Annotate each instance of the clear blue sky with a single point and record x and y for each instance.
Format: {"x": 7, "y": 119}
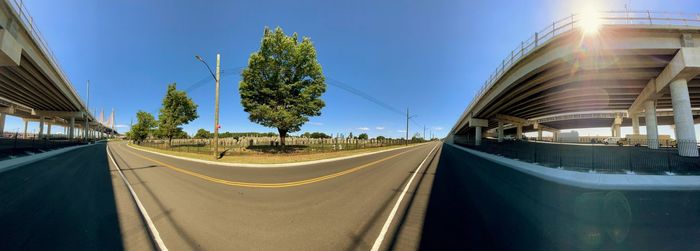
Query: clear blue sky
{"x": 430, "y": 56}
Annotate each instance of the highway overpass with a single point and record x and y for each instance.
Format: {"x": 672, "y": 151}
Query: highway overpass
{"x": 595, "y": 70}
{"x": 32, "y": 84}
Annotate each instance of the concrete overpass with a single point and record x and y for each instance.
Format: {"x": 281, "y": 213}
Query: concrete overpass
{"x": 32, "y": 84}
{"x": 635, "y": 68}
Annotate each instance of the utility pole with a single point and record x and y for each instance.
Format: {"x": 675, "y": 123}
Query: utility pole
{"x": 407, "y": 118}
{"x": 217, "y": 77}
{"x": 423, "y": 132}
{"x": 216, "y": 107}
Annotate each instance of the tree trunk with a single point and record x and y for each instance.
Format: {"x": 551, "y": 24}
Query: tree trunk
{"x": 283, "y": 134}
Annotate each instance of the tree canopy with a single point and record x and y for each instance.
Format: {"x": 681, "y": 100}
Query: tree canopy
{"x": 202, "y": 134}
{"x": 177, "y": 109}
{"x": 145, "y": 122}
{"x": 363, "y": 136}
{"x": 283, "y": 83}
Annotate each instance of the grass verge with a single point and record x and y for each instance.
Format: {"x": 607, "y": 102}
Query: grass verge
{"x": 271, "y": 158}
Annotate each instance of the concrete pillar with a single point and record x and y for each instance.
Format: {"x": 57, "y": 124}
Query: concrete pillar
{"x": 48, "y": 130}
{"x": 41, "y": 128}
{"x": 683, "y": 118}
{"x": 2, "y": 124}
{"x": 519, "y": 132}
{"x": 85, "y": 128}
{"x": 539, "y": 134}
{"x": 635, "y": 124}
{"x": 555, "y": 136}
{"x": 26, "y": 124}
{"x": 477, "y": 135}
{"x": 650, "y": 119}
{"x": 500, "y": 131}
{"x": 618, "y": 131}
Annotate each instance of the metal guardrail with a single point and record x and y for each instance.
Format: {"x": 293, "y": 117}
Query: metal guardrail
{"x": 27, "y": 21}
{"x": 573, "y": 22}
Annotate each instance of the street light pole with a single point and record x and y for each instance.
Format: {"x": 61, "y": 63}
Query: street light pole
{"x": 216, "y": 107}
{"x": 216, "y": 100}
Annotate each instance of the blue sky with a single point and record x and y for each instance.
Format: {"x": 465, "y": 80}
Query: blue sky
{"x": 430, "y": 56}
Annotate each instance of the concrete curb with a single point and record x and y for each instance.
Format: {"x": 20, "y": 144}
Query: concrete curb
{"x": 7, "y": 165}
{"x": 595, "y": 180}
{"x": 273, "y": 165}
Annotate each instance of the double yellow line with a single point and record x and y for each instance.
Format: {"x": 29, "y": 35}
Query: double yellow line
{"x": 270, "y": 185}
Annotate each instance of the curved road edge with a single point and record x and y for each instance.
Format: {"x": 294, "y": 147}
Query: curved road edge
{"x": 303, "y": 163}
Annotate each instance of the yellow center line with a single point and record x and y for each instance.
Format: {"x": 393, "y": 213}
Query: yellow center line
{"x": 270, "y": 185}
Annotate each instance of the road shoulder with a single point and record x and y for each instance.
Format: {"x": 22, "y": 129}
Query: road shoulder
{"x": 303, "y": 163}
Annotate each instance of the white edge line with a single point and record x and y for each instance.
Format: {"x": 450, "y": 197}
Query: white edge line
{"x": 272, "y": 165}
{"x": 387, "y": 223}
{"x": 151, "y": 227}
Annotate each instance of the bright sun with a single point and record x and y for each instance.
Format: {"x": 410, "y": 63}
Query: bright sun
{"x": 590, "y": 21}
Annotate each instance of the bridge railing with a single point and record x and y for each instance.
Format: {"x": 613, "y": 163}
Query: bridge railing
{"x": 573, "y": 22}
{"x": 28, "y": 22}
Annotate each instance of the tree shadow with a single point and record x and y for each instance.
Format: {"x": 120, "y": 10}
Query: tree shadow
{"x": 63, "y": 202}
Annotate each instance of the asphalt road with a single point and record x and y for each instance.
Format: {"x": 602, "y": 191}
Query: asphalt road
{"x": 72, "y": 201}
{"x": 78, "y": 201}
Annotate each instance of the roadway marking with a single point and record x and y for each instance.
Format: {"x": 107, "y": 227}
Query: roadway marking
{"x": 151, "y": 227}
{"x": 270, "y": 185}
{"x": 387, "y": 223}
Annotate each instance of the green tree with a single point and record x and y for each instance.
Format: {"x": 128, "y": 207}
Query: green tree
{"x": 283, "y": 83}
{"x": 145, "y": 122}
{"x": 202, "y": 134}
{"x": 363, "y": 136}
{"x": 320, "y": 135}
{"x": 177, "y": 109}
{"x": 380, "y": 138}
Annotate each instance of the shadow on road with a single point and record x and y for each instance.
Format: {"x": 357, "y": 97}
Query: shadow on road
{"x": 63, "y": 202}
{"x": 478, "y": 204}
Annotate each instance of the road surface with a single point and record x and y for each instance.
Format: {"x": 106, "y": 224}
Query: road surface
{"x": 77, "y": 201}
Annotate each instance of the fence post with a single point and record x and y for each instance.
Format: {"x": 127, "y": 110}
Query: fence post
{"x": 668, "y": 158}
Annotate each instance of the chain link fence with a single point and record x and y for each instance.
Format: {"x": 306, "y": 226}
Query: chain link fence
{"x": 634, "y": 157}
{"x": 263, "y": 145}
{"x": 17, "y": 146}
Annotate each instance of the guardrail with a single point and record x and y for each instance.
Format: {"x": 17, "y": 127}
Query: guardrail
{"x": 573, "y": 22}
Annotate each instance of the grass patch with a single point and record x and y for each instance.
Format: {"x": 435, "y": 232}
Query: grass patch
{"x": 271, "y": 157}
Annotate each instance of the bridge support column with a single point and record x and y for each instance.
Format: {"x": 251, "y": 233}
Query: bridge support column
{"x": 555, "y": 136}
{"x": 48, "y": 130}
{"x": 539, "y": 134}
{"x": 477, "y": 135}
{"x": 635, "y": 124}
{"x": 41, "y": 128}
{"x": 683, "y": 118}
{"x": 519, "y": 132}
{"x": 86, "y": 128}
{"x": 71, "y": 128}
{"x": 500, "y": 131}
{"x": 2, "y": 124}
{"x": 26, "y": 123}
{"x": 650, "y": 119}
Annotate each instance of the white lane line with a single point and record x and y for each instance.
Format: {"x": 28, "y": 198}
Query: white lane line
{"x": 387, "y": 223}
{"x": 151, "y": 227}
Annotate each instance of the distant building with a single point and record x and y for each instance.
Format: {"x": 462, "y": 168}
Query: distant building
{"x": 569, "y": 137}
